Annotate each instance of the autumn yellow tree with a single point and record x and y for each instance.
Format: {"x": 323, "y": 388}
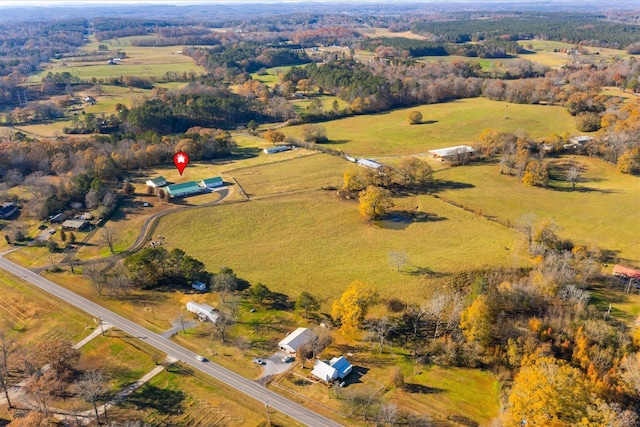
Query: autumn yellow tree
{"x": 351, "y": 181}
{"x": 351, "y": 309}
{"x": 274, "y": 136}
{"x": 629, "y": 161}
{"x": 374, "y": 202}
{"x": 475, "y": 321}
{"x": 548, "y": 392}
{"x": 536, "y": 173}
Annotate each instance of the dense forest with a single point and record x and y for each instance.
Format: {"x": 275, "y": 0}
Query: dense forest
{"x": 590, "y": 30}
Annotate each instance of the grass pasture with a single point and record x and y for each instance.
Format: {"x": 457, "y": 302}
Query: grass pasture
{"x": 273, "y": 75}
{"x": 603, "y": 211}
{"x": 29, "y": 316}
{"x": 446, "y": 124}
{"x": 142, "y": 61}
{"x": 300, "y": 105}
{"x": 310, "y": 239}
{"x": 185, "y": 398}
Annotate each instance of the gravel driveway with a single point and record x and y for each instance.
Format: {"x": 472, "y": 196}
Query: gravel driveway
{"x": 274, "y": 365}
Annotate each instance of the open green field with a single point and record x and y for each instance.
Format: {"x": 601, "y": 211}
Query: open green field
{"x": 311, "y": 239}
{"x": 446, "y": 124}
{"x": 186, "y": 398}
{"x": 300, "y": 105}
{"x": 603, "y": 211}
{"x": 471, "y": 393}
{"x": 272, "y": 76}
{"x": 29, "y": 316}
{"x": 141, "y": 61}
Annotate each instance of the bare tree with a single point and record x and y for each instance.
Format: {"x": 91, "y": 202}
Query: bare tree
{"x": 379, "y": 330}
{"x": 244, "y": 344}
{"x": 108, "y": 237}
{"x": 388, "y": 414}
{"x": 415, "y": 315}
{"x": 180, "y": 318}
{"x": 225, "y": 282}
{"x": 573, "y": 176}
{"x": 117, "y": 281}
{"x": 222, "y": 324}
{"x": 5, "y": 350}
{"x": 436, "y": 308}
{"x": 398, "y": 259}
{"x": 98, "y": 278}
{"x": 91, "y": 386}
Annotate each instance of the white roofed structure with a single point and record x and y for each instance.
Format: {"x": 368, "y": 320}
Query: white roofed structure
{"x": 338, "y": 367}
{"x": 292, "y": 342}
{"x": 457, "y": 154}
{"x": 204, "y": 312}
{"x": 369, "y": 164}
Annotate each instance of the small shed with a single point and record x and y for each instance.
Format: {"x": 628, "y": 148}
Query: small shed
{"x": 75, "y": 224}
{"x": 292, "y": 342}
{"x": 199, "y": 286}
{"x": 7, "y": 210}
{"x": 276, "y": 149}
{"x": 184, "y": 189}
{"x": 56, "y": 218}
{"x": 204, "y": 312}
{"x": 156, "y": 182}
{"x": 214, "y": 182}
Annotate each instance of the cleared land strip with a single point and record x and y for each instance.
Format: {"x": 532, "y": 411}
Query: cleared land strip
{"x": 244, "y": 385}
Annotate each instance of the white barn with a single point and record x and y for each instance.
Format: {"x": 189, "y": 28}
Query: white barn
{"x": 292, "y": 342}
{"x": 204, "y": 312}
{"x": 276, "y": 149}
{"x": 156, "y": 182}
{"x": 369, "y": 164}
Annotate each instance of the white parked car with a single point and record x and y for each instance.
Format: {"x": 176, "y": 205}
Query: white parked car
{"x": 287, "y": 359}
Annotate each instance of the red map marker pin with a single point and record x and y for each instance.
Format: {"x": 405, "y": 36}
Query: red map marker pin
{"x": 181, "y": 160}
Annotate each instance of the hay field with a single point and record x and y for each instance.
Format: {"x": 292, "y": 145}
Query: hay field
{"x": 446, "y": 124}
{"x": 310, "y": 239}
{"x": 603, "y": 211}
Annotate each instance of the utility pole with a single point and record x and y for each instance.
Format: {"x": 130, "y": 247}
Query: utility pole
{"x": 266, "y": 407}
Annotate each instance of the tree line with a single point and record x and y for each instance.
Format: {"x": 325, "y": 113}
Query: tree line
{"x": 587, "y": 29}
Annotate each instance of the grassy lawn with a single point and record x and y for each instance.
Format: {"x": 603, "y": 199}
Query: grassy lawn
{"x": 447, "y": 124}
{"x": 186, "y": 398}
{"x": 314, "y": 240}
{"x": 603, "y": 211}
{"x": 429, "y": 390}
{"x": 153, "y": 310}
{"x": 442, "y": 392}
{"x": 29, "y": 316}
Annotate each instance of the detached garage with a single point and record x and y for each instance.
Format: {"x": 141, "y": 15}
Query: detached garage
{"x": 296, "y": 339}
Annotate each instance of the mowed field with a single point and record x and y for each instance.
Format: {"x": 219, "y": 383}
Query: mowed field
{"x": 295, "y": 236}
{"x": 446, "y": 124}
{"x": 28, "y": 316}
{"x": 141, "y": 61}
{"x": 603, "y": 211}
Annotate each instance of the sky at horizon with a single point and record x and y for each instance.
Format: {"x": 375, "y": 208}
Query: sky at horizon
{"x": 195, "y": 2}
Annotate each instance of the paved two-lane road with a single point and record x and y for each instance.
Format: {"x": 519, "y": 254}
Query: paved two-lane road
{"x": 250, "y": 388}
